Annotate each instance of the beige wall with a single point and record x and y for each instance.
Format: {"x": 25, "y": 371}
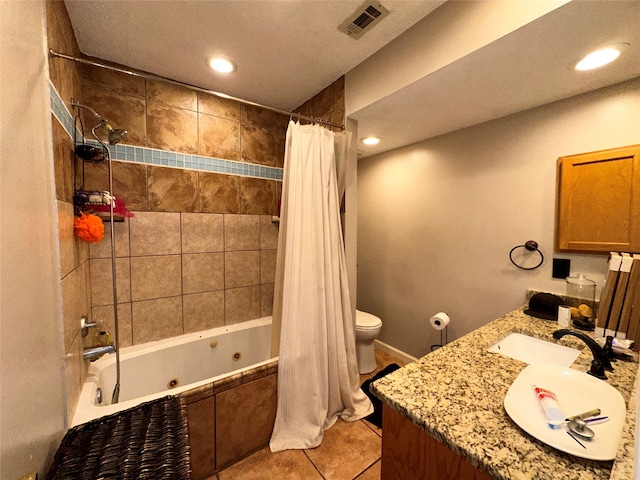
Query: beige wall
{"x": 32, "y": 384}
{"x": 437, "y": 219}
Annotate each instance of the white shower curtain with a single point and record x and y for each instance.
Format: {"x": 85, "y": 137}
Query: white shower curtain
{"x": 318, "y": 378}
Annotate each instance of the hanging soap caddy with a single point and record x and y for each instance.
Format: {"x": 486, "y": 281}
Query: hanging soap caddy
{"x": 84, "y": 200}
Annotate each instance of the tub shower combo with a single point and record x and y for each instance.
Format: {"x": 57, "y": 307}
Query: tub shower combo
{"x": 191, "y": 368}
{"x": 214, "y": 373}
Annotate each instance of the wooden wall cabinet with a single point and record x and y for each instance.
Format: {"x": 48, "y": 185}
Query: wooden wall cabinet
{"x": 598, "y": 201}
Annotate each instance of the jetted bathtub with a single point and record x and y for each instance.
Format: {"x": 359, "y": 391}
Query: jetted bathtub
{"x": 172, "y": 366}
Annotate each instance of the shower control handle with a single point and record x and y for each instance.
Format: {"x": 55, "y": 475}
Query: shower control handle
{"x": 85, "y": 325}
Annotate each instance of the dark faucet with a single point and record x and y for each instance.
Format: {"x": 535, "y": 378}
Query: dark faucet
{"x": 600, "y": 359}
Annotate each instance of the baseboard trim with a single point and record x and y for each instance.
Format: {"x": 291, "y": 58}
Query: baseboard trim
{"x": 399, "y": 354}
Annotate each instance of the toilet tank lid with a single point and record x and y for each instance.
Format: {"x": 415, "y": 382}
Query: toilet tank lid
{"x": 364, "y": 319}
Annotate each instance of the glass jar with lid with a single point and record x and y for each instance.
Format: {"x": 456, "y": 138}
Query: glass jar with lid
{"x": 582, "y": 293}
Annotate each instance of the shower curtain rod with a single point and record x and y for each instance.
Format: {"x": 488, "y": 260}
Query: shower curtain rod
{"x": 158, "y": 78}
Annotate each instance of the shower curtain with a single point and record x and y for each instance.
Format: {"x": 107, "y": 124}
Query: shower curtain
{"x": 318, "y": 378}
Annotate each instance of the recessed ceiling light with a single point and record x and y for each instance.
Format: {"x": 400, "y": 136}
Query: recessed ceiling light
{"x": 370, "y": 140}
{"x": 221, "y": 64}
{"x": 601, "y": 57}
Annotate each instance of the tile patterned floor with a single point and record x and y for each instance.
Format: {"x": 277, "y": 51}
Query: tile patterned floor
{"x": 349, "y": 451}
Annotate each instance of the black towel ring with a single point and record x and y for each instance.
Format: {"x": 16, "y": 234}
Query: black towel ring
{"x": 532, "y": 246}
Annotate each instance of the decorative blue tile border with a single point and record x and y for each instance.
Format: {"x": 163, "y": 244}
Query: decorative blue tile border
{"x": 166, "y": 158}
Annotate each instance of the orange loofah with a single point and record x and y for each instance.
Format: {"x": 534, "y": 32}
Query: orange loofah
{"x": 89, "y": 228}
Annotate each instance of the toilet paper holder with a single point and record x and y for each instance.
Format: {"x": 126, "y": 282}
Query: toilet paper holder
{"x": 440, "y": 321}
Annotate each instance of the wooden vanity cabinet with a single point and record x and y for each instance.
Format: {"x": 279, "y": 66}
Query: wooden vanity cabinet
{"x": 410, "y": 453}
{"x": 598, "y": 201}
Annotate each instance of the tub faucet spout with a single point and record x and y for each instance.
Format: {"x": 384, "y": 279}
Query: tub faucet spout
{"x": 600, "y": 359}
{"x": 94, "y": 353}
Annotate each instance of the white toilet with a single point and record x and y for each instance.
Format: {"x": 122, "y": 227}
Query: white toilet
{"x": 367, "y": 329}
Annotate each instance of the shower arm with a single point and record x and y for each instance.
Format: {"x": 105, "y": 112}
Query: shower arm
{"x": 101, "y": 121}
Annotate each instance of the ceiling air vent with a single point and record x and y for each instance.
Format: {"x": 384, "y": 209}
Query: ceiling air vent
{"x": 363, "y": 19}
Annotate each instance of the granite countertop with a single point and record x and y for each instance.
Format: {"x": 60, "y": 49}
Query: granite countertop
{"x": 456, "y": 394}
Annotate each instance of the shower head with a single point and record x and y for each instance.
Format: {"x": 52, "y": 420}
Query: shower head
{"x": 116, "y": 135}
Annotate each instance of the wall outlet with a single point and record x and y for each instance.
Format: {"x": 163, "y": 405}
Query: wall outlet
{"x": 561, "y": 268}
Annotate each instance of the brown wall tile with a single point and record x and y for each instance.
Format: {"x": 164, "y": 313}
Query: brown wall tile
{"x": 157, "y": 276}
{"x": 63, "y": 158}
{"x": 219, "y": 193}
{"x": 258, "y": 117}
{"x": 171, "y": 128}
{"x": 258, "y": 146}
{"x": 338, "y": 117}
{"x": 219, "y": 137}
{"x": 103, "y": 248}
{"x": 156, "y": 319}
{"x": 202, "y": 311}
{"x": 203, "y": 272}
{"x": 252, "y": 428}
{"x": 101, "y": 281}
{"x": 322, "y": 104}
{"x": 103, "y": 315}
{"x": 202, "y": 232}
{"x": 202, "y": 437}
{"x": 129, "y": 182}
{"x": 268, "y": 266}
{"x": 269, "y": 232}
{"x": 93, "y": 176}
{"x": 266, "y": 299}
{"x": 338, "y": 92}
{"x": 171, "y": 95}
{"x": 242, "y": 268}
{"x": 60, "y": 37}
{"x": 196, "y": 394}
{"x": 280, "y": 147}
{"x": 258, "y": 196}
{"x": 218, "y": 107}
{"x": 173, "y": 189}
{"x": 72, "y": 306}
{"x": 328, "y": 104}
{"x": 154, "y": 233}
{"x": 241, "y": 304}
{"x": 241, "y": 232}
{"x": 122, "y": 111}
{"x": 68, "y": 260}
{"x": 104, "y": 79}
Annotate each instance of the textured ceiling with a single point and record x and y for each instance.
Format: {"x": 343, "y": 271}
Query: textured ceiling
{"x": 529, "y": 67}
{"x": 286, "y": 50}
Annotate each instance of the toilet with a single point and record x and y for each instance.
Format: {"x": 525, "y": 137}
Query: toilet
{"x": 367, "y": 329}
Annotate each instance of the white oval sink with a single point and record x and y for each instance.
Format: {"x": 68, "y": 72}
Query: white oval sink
{"x": 576, "y": 392}
{"x": 534, "y": 351}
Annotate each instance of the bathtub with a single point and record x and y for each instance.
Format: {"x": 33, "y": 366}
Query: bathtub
{"x": 172, "y": 366}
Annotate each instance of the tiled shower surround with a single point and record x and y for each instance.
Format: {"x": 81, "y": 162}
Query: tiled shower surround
{"x": 184, "y": 272}
{"x": 202, "y": 176}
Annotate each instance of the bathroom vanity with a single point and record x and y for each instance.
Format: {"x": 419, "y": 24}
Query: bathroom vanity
{"x": 444, "y": 419}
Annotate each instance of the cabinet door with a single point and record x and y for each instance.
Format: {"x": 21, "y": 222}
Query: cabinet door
{"x": 599, "y": 201}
